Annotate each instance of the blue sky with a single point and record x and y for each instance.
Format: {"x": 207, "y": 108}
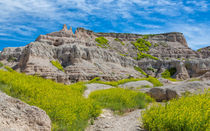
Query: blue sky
{"x": 22, "y": 21}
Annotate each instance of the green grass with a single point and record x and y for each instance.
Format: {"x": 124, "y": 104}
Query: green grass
{"x": 140, "y": 70}
{"x": 8, "y": 68}
{"x": 168, "y": 73}
{"x": 114, "y": 83}
{"x": 142, "y": 45}
{"x": 144, "y": 55}
{"x": 1, "y": 64}
{"x": 57, "y": 65}
{"x": 120, "y": 100}
{"x": 190, "y": 113}
{"x": 65, "y": 105}
{"x": 102, "y": 42}
{"x": 153, "y": 80}
{"x": 122, "y": 43}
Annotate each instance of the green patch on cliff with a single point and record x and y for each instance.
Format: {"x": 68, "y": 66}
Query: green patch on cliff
{"x": 144, "y": 55}
{"x": 116, "y": 39}
{"x": 142, "y": 45}
{"x": 1, "y": 64}
{"x": 57, "y": 65}
{"x": 140, "y": 70}
{"x": 102, "y": 42}
{"x": 168, "y": 73}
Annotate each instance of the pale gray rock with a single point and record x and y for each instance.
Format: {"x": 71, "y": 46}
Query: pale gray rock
{"x": 176, "y": 90}
{"x": 18, "y": 116}
{"x": 136, "y": 84}
{"x": 108, "y": 121}
{"x": 95, "y": 86}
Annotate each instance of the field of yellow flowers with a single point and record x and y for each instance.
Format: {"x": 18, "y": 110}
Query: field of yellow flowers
{"x": 120, "y": 100}
{"x": 66, "y": 106}
{"x": 189, "y": 113}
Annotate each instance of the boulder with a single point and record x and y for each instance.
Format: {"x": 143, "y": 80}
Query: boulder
{"x": 179, "y": 89}
{"x": 18, "y": 116}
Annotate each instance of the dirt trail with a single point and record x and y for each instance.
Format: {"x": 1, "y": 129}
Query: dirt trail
{"x": 108, "y": 121}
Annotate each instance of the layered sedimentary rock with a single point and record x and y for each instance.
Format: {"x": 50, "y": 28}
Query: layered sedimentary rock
{"x": 83, "y": 59}
{"x": 18, "y": 116}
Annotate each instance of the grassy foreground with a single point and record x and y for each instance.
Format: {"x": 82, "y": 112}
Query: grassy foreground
{"x": 67, "y": 108}
{"x": 191, "y": 113}
{"x": 119, "y": 99}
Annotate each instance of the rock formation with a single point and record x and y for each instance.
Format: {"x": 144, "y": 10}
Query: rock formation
{"x": 83, "y": 59}
{"x": 18, "y": 116}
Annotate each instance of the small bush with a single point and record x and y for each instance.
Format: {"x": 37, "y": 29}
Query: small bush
{"x": 189, "y": 113}
{"x": 8, "y": 68}
{"x": 11, "y": 59}
{"x": 116, "y": 83}
{"x": 1, "y": 64}
{"x": 57, "y": 65}
{"x": 154, "y": 81}
{"x": 142, "y": 45}
{"x": 144, "y": 55}
{"x": 140, "y": 70}
{"x": 168, "y": 73}
{"x": 116, "y": 39}
{"x": 118, "y": 99}
{"x": 102, "y": 42}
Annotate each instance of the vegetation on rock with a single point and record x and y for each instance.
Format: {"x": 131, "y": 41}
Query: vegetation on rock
{"x": 144, "y": 55}
{"x": 102, "y": 42}
{"x": 143, "y": 46}
{"x": 118, "y": 99}
{"x": 116, "y": 39}
{"x": 57, "y": 65}
{"x": 189, "y": 113}
{"x": 140, "y": 70}
{"x": 1, "y": 64}
{"x": 168, "y": 73}
{"x": 66, "y": 106}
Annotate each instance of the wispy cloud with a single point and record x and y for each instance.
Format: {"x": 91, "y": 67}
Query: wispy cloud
{"x": 28, "y": 18}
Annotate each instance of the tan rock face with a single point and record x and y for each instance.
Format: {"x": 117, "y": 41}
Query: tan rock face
{"x": 82, "y": 59}
{"x": 18, "y": 116}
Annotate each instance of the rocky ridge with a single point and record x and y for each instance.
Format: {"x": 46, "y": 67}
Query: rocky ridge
{"x": 82, "y": 59}
{"x": 18, "y": 116}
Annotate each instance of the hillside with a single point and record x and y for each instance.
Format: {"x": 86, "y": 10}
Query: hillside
{"x": 84, "y": 55}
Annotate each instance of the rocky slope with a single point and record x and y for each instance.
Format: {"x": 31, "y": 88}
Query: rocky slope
{"x": 83, "y": 59}
{"x": 18, "y": 116}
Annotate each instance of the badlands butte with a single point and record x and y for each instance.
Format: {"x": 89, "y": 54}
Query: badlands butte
{"x": 85, "y": 55}
{"x": 163, "y": 60}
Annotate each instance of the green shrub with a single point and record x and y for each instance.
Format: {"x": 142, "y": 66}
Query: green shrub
{"x": 118, "y": 99}
{"x": 142, "y": 45}
{"x": 140, "y": 70}
{"x": 57, "y": 65}
{"x": 168, "y": 73}
{"x": 198, "y": 50}
{"x": 189, "y": 113}
{"x": 11, "y": 59}
{"x": 116, "y": 83}
{"x": 151, "y": 69}
{"x": 1, "y": 64}
{"x": 156, "y": 45}
{"x": 154, "y": 81}
{"x": 8, "y": 68}
{"x": 102, "y": 42}
{"x": 144, "y": 55}
{"x": 116, "y": 39}
{"x": 65, "y": 105}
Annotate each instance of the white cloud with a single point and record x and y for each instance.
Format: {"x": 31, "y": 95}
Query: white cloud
{"x": 26, "y": 17}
